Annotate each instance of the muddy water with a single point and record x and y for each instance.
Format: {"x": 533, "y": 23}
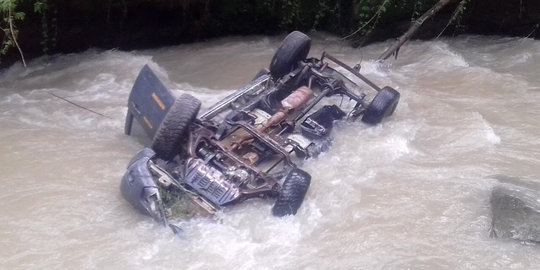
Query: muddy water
{"x": 412, "y": 193}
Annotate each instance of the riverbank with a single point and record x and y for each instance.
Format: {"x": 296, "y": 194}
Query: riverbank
{"x": 68, "y": 26}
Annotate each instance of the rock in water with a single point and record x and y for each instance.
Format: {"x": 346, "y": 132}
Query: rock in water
{"x": 515, "y": 213}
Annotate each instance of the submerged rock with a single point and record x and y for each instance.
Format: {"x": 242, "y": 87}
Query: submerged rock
{"x": 515, "y": 213}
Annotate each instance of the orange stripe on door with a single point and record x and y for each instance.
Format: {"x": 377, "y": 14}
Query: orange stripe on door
{"x": 158, "y": 101}
{"x": 147, "y": 122}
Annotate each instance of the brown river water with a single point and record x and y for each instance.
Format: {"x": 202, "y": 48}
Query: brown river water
{"x": 411, "y": 193}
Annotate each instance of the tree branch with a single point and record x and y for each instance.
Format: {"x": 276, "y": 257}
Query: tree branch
{"x": 377, "y": 13}
{"x": 457, "y": 12}
{"x": 416, "y": 24}
{"x": 10, "y": 18}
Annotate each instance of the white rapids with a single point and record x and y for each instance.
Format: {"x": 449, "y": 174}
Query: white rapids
{"x": 411, "y": 193}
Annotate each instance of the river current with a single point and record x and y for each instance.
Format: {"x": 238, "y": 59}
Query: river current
{"x": 410, "y": 193}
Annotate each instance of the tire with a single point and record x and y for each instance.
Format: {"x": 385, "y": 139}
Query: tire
{"x": 293, "y": 48}
{"x": 383, "y": 105}
{"x": 176, "y": 123}
{"x": 292, "y": 194}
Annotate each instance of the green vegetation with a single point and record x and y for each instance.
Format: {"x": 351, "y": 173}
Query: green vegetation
{"x": 9, "y": 28}
{"x": 42, "y": 27}
{"x": 11, "y": 16}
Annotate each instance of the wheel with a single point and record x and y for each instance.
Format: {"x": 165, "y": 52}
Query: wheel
{"x": 292, "y": 194}
{"x": 383, "y": 105}
{"x": 295, "y": 47}
{"x": 175, "y": 124}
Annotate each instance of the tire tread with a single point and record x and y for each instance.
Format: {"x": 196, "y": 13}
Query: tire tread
{"x": 175, "y": 124}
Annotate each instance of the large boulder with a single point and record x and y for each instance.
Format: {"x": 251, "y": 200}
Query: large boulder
{"x": 515, "y": 212}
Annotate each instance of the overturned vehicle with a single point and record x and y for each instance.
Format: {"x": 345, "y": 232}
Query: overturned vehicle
{"x": 249, "y": 144}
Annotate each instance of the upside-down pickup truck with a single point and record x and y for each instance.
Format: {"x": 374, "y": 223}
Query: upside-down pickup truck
{"x": 251, "y": 143}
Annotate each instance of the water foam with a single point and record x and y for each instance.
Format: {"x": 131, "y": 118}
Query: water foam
{"x": 397, "y": 195}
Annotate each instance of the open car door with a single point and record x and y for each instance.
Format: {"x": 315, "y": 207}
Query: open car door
{"x": 149, "y": 102}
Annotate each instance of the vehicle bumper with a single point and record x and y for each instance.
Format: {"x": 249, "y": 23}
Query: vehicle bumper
{"x": 139, "y": 188}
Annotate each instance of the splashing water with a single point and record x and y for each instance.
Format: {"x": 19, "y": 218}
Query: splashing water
{"x": 412, "y": 192}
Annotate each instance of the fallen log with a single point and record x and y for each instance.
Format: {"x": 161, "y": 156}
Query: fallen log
{"x": 414, "y": 27}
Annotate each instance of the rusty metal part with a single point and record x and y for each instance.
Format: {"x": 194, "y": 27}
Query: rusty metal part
{"x": 266, "y": 139}
{"x": 274, "y": 120}
{"x": 311, "y": 80}
{"x": 196, "y": 137}
{"x": 203, "y": 135}
{"x": 271, "y": 186}
{"x": 324, "y": 67}
{"x": 260, "y": 117}
{"x": 262, "y": 191}
{"x": 313, "y": 103}
{"x": 297, "y": 98}
{"x": 251, "y": 157}
{"x": 236, "y": 139}
{"x": 351, "y": 70}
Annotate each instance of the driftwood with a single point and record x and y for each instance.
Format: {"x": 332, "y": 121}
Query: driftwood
{"x": 414, "y": 27}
